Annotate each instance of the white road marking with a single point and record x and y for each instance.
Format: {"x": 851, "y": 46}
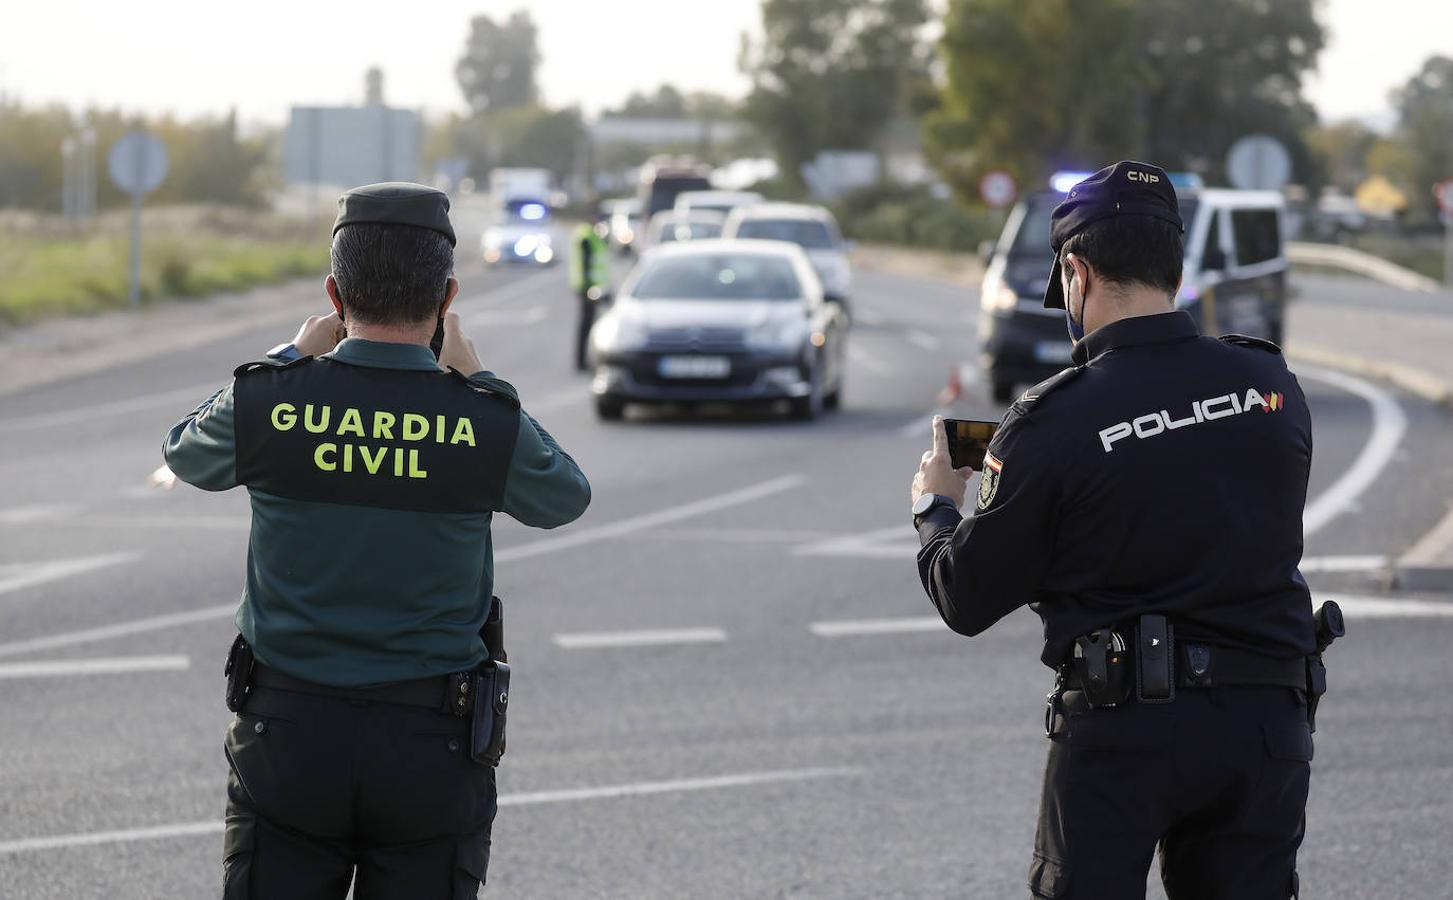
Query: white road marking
{"x": 1354, "y": 607}
{"x": 495, "y": 296}
{"x": 1388, "y": 425}
{"x": 121, "y": 629}
{"x": 856, "y": 627}
{"x": 1343, "y": 563}
{"x": 20, "y": 515}
{"x": 530, "y": 315}
{"x": 922, "y": 427}
{"x": 922, "y": 339}
{"x": 112, "y": 665}
{"x": 532, "y": 798}
{"x": 647, "y": 638}
{"x": 867, "y": 543}
{"x": 94, "y": 411}
{"x": 867, "y": 360}
{"x": 15, "y": 576}
{"x": 583, "y": 536}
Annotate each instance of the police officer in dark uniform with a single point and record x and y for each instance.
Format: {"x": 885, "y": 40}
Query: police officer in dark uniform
{"x": 374, "y": 469}
{"x": 1147, "y": 504}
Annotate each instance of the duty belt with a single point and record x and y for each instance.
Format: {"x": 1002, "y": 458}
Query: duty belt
{"x": 450, "y": 694}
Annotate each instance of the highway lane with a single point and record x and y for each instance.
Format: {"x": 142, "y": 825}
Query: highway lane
{"x": 748, "y": 754}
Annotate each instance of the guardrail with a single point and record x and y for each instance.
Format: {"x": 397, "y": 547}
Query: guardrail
{"x": 1359, "y": 263}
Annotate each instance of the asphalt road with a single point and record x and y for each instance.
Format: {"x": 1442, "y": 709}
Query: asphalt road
{"x": 727, "y": 680}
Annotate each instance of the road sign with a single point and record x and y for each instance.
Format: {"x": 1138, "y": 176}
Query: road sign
{"x": 1443, "y": 190}
{"x": 137, "y": 162}
{"x": 1258, "y": 163}
{"x": 997, "y": 188}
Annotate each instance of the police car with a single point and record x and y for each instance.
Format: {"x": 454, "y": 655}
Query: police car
{"x": 1234, "y": 279}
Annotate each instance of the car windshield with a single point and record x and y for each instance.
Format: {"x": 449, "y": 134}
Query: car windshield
{"x": 1032, "y": 238}
{"x": 719, "y": 276}
{"x": 807, "y": 233}
{"x": 689, "y": 231}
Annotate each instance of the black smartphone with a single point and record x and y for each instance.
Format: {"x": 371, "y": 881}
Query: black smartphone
{"x": 968, "y": 441}
{"x": 436, "y": 343}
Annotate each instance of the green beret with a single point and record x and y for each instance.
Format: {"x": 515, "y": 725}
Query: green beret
{"x": 396, "y": 203}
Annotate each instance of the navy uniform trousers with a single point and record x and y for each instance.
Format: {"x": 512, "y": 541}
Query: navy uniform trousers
{"x": 1217, "y": 779}
{"x": 323, "y": 786}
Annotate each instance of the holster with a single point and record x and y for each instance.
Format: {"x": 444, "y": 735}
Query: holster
{"x": 1101, "y": 670}
{"x": 240, "y": 663}
{"x": 491, "y": 684}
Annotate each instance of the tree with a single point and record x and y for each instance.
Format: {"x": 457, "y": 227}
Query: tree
{"x": 497, "y": 70}
{"x": 1425, "y": 127}
{"x": 666, "y": 103}
{"x": 1343, "y": 149}
{"x": 1031, "y": 87}
{"x": 831, "y": 74}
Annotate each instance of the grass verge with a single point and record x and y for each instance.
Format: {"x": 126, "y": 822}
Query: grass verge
{"x": 49, "y": 268}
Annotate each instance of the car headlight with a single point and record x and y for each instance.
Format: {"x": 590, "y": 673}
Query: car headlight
{"x": 996, "y": 296}
{"x": 778, "y": 334}
{"x": 618, "y": 334}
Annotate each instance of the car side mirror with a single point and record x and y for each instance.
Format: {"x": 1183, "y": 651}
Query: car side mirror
{"x": 986, "y": 251}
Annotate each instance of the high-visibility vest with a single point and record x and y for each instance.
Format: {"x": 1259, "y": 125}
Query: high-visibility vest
{"x": 599, "y": 272}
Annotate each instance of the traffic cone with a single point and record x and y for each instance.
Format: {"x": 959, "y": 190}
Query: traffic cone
{"x": 953, "y": 390}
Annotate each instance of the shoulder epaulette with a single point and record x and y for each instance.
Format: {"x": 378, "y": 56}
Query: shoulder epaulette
{"x": 262, "y": 365}
{"x": 1246, "y": 340}
{"x": 1059, "y": 379}
{"x": 487, "y": 384}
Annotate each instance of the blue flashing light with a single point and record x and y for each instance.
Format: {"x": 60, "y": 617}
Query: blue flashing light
{"x": 1063, "y": 181}
{"x": 532, "y": 212}
{"x": 1187, "y": 181}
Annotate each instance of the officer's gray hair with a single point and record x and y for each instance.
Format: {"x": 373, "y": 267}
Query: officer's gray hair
{"x": 391, "y": 274}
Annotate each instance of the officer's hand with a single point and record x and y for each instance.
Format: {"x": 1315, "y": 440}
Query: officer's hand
{"x": 458, "y": 352}
{"x": 936, "y": 474}
{"x": 319, "y": 335}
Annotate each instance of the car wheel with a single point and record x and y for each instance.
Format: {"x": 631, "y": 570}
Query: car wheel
{"x": 609, "y": 409}
{"x": 1003, "y": 392}
{"x": 834, "y": 400}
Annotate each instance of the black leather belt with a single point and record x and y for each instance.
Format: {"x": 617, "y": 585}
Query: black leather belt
{"x": 443, "y": 693}
{"x": 1201, "y": 665}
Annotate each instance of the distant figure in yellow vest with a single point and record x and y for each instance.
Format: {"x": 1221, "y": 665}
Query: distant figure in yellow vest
{"x": 589, "y": 277}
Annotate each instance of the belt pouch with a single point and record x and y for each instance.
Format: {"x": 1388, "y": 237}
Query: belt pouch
{"x": 239, "y": 673}
{"x": 491, "y": 702}
{"x": 1154, "y": 660}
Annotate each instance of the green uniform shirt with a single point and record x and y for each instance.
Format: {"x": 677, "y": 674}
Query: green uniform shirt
{"x": 352, "y": 595}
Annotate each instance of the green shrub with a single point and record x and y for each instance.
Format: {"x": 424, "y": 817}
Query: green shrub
{"x": 914, "y": 217}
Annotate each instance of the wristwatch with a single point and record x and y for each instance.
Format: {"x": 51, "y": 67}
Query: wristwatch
{"x": 284, "y": 352}
{"x": 929, "y": 502}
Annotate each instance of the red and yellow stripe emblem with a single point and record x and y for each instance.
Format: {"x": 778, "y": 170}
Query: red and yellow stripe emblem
{"x": 991, "y": 463}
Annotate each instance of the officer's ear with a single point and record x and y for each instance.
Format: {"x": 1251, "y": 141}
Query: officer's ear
{"x": 330, "y": 284}
{"x": 451, "y": 290}
{"x": 1072, "y": 268}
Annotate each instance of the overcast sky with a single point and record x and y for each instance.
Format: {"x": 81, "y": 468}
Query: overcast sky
{"x": 186, "y": 56}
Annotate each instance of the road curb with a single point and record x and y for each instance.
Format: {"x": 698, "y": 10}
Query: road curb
{"x": 1418, "y": 382}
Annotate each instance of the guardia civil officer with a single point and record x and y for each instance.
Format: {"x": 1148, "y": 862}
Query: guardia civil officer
{"x": 1147, "y": 504}
{"x": 373, "y": 471}
{"x": 590, "y": 279}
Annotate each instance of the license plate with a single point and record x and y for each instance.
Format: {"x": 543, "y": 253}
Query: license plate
{"x": 1053, "y": 351}
{"x": 695, "y": 367}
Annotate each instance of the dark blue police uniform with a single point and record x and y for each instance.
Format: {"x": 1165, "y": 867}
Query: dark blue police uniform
{"x": 1152, "y": 495}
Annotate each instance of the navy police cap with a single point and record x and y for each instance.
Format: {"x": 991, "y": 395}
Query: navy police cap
{"x": 1127, "y": 188}
{"x": 396, "y": 203}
